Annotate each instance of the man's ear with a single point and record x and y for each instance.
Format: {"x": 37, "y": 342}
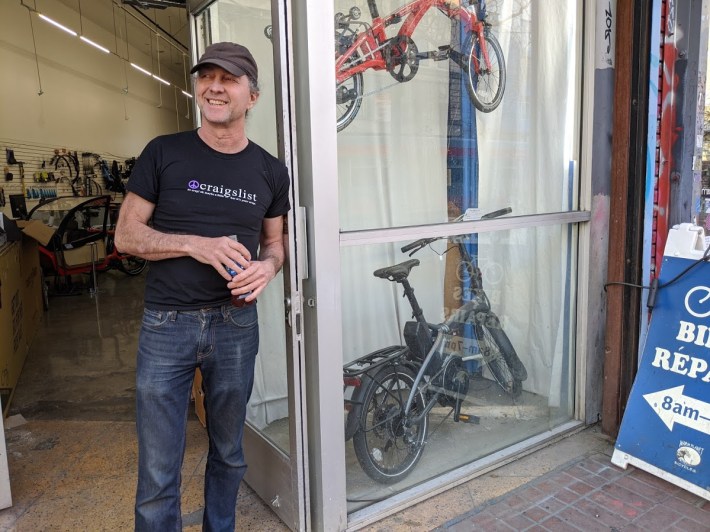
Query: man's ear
{"x": 253, "y": 97}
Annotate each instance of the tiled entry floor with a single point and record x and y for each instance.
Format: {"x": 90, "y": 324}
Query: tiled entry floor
{"x": 591, "y": 494}
{"x": 81, "y": 475}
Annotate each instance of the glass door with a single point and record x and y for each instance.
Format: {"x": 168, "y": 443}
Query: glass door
{"x": 274, "y": 437}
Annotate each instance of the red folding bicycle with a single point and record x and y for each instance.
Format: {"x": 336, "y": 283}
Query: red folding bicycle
{"x": 360, "y": 46}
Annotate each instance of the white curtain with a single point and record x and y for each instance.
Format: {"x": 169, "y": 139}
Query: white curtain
{"x": 244, "y": 22}
{"x": 392, "y": 172}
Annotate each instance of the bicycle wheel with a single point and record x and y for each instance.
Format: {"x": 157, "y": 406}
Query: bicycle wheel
{"x": 132, "y": 265}
{"x": 499, "y": 355}
{"x": 348, "y": 97}
{"x": 485, "y": 85}
{"x": 386, "y": 448}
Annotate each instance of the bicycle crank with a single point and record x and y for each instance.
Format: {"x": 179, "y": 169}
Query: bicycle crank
{"x": 401, "y": 58}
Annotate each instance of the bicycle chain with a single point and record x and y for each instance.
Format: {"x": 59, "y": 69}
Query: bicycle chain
{"x": 378, "y": 90}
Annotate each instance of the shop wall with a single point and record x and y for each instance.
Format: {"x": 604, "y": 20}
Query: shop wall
{"x": 89, "y": 100}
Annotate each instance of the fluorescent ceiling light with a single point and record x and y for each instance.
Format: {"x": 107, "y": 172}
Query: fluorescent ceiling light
{"x": 141, "y": 69}
{"x": 187, "y": 94}
{"x": 161, "y": 80}
{"x": 57, "y": 24}
{"x": 95, "y": 45}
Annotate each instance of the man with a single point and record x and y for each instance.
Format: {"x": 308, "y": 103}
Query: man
{"x": 189, "y": 192}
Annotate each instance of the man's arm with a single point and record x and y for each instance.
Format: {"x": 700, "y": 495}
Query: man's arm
{"x": 135, "y": 236}
{"x": 259, "y": 273}
{"x": 271, "y": 244}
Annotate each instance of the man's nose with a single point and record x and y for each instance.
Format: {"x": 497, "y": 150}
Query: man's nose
{"x": 216, "y": 85}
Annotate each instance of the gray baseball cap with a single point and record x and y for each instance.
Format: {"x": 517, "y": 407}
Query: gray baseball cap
{"x": 234, "y": 58}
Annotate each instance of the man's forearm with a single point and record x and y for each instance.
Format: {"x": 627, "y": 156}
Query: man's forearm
{"x": 274, "y": 254}
{"x": 144, "y": 241}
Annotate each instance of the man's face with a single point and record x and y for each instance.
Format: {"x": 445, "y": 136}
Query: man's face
{"x": 222, "y": 97}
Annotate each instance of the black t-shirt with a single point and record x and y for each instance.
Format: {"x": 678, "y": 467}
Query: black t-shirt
{"x": 199, "y": 191}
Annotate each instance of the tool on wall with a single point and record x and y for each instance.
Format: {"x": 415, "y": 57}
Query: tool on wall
{"x": 10, "y": 157}
{"x": 22, "y": 176}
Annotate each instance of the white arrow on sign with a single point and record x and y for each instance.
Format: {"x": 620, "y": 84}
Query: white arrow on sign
{"x": 674, "y": 407}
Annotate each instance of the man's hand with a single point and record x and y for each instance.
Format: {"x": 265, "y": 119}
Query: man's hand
{"x": 257, "y": 274}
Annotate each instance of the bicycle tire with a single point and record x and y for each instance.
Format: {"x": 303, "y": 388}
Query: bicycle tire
{"x": 500, "y": 356}
{"x": 93, "y": 188}
{"x": 62, "y": 163}
{"x": 386, "y": 451}
{"x": 132, "y": 265}
{"x": 348, "y": 98}
{"x": 485, "y": 87}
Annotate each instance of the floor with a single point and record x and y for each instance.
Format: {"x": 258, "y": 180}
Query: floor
{"x": 72, "y": 454}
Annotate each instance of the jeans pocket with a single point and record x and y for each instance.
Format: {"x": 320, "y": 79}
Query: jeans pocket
{"x": 154, "y": 319}
{"x": 243, "y": 317}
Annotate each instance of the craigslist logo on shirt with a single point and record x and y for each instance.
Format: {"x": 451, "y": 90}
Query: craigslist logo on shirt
{"x": 219, "y": 191}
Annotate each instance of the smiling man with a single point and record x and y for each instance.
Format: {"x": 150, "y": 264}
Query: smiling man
{"x": 198, "y": 203}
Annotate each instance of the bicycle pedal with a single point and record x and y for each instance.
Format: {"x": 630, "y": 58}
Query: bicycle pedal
{"x": 465, "y": 418}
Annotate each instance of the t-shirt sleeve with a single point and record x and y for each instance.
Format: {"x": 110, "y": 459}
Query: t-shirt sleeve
{"x": 144, "y": 177}
{"x": 280, "y": 204}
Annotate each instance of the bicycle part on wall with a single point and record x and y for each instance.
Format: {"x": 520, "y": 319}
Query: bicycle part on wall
{"x": 65, "y": 162}
{"x": 485, "y": 79}
{"x": 348, "y": 98}
{"x": 401, "y": 58}
{"x": 360, "y": 46}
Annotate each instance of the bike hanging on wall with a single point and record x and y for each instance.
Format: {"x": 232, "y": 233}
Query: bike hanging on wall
{"x": 360, "y": 46}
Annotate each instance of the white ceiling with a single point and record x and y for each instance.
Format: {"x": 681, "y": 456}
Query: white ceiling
{"x": 139, "y": 24}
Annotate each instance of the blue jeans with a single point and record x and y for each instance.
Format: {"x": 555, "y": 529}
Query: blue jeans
{"x": 222, "y": 342}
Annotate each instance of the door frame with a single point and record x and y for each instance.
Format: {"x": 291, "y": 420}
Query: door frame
{"x": 281, "y": 479}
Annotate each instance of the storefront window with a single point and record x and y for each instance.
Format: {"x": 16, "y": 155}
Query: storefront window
{"x": 504, "y": 355}
{"x": 413, "y": 145}
{"x": 420, "y": 141}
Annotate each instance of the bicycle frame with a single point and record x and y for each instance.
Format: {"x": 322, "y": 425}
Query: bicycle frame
{"x": 371, "y": 43}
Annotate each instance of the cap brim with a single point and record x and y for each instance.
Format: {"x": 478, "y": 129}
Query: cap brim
{"x": 229, "y": 67}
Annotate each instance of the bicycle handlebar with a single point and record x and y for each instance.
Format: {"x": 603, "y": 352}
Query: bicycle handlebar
{"x": 496, "y": 214}
{"x": 419, "y": 244}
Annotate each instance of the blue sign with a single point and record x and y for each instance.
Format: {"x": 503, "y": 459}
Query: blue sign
{"x": 666, "y": 425}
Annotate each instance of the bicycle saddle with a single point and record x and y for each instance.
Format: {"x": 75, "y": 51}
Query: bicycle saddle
{"x": 398, "y": 272}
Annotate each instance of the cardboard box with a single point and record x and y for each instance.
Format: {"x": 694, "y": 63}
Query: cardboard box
{"x": 37, "y": 230}
{"x": 20, "y": 311}
{"x": 68, "y": 258}
{"x": 83, "y": 255}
